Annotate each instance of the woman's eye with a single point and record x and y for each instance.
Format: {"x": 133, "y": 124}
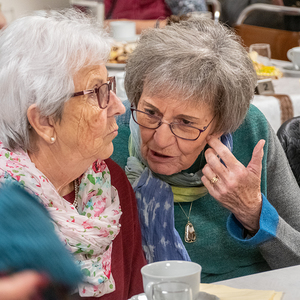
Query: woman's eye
{"x": 151, "y": 112}
{"x": 93, "y": 95}
{"x": 185, "y": 122}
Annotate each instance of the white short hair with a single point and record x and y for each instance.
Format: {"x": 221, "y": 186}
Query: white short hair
{"x": 39, "y": 55}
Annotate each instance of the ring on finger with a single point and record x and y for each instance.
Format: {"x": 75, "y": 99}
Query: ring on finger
{"x": 214, "y": 180}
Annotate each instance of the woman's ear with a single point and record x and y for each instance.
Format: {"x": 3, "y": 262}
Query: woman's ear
{"x": 42, "y": 125}
{"x": 217, "y": 134}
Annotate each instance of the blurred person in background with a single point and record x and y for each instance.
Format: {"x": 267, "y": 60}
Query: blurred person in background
{"x": 57, "y": 123}
{"x": 150, "y": 13}
{"x": 211, "y": 179}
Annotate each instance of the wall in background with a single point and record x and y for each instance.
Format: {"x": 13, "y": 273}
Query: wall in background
{"x": 13, "y": 9}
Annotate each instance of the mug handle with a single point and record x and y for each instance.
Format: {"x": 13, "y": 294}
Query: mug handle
{"x": 290, "y": 54}
{"x": 149, "y": 290}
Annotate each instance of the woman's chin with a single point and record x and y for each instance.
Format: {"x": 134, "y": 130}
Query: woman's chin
{"x": 163, "y": 169}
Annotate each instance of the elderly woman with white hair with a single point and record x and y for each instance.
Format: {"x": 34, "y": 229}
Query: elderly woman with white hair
{"x": 57, "y": 123}
{"x": 212, "y": 182}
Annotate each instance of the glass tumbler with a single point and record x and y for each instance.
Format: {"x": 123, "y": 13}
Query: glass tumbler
{"x": 171, "y": 291}
{"x": 263, "y": 53}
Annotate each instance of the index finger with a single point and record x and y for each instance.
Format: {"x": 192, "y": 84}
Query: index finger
{"x": 222, "y": 151}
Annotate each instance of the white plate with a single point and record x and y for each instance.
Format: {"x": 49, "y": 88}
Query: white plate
{"x": 200, "y": 295}
{"x": 206, "y": 296}
{"x": 116, "y": 66}
{"x": 289, "y": 71}
{"x": 139, "y": 297}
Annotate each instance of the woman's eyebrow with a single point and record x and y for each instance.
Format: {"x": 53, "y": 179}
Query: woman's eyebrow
{"x": 151, "y": 106}
{"x": 182, "y": 116}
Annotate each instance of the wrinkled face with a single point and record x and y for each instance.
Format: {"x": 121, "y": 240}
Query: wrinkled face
{"x": 85, "y": 129}
{"x": 164, "y": 152}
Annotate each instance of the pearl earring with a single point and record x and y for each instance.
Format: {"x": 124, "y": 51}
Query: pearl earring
{"x": 52, "y": 139}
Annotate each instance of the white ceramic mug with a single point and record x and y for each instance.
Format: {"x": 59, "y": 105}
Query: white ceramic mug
{"x": 172, "y": 271}
{"x": 294, "y": 56}
{"x": 123, "y": 31}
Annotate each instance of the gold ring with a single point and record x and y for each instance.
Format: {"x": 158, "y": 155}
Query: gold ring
{"x": 214, "y": 180}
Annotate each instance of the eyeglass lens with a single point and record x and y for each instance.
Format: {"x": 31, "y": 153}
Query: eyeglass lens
{"x": 152, "y": 122}
{"x": 103, "y": 95}
{"x": 103, "y": 92}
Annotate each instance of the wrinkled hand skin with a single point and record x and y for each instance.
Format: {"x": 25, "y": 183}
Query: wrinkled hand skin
{"x": 238, "y": 187}
{"x": 25, "y": 285}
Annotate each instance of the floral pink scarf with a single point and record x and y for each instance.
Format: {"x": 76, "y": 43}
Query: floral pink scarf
{"x": 88, "y": 233}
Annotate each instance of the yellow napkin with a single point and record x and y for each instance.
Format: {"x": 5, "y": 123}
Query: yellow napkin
{"x": 229, "y": 293}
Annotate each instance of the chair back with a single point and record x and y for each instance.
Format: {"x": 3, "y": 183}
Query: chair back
{"x": 289, "y": 137}
{"x": 280, "y": 40}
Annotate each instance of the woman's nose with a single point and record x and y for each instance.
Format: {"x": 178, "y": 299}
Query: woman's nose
{"x": 115, "y": 106}
{"x": 163, "y": 136}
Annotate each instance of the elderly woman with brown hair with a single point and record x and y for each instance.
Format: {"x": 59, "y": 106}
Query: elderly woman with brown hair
{"x": 211, "y": 179}
{"x": 57, "y": 123}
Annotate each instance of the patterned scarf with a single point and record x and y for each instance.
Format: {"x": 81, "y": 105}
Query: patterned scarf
{"x": 87, "y": 233}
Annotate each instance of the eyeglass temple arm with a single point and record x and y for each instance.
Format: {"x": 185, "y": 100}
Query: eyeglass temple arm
{"x": 82, "y": 93}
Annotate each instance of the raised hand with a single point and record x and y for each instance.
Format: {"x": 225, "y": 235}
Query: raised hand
{"x": 235, "y": 186}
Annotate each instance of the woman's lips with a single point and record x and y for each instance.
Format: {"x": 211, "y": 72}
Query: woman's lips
{"x": 114, "y": 131}
{"x": 156, "y": 156}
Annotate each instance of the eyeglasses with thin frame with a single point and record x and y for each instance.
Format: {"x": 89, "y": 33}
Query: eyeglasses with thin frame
{"x": 182, "y": 131}
{"x": 102, "y": 92}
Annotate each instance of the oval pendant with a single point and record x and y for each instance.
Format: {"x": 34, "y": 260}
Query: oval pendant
{"x": 189, "y": 234}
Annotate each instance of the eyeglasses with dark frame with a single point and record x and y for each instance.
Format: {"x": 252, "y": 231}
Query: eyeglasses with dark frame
{"x": 102, "y": 92}
{"x": 182, "y": 131}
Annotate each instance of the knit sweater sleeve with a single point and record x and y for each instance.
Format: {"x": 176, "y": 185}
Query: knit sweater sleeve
{"x": 279, "y": 234}
{"x": 268, "y": 224}
{"x": 284, "y": 195}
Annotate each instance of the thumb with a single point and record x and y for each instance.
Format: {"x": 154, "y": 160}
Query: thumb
{"x": 255, "y": 164}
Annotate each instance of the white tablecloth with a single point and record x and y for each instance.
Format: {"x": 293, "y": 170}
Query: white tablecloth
{"x": 284, "y": 280}
{"x": 288, "y": 85}
{"x": 270, "y": 106}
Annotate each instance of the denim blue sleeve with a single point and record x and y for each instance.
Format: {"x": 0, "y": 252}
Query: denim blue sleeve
{"x": 268, "y": 224}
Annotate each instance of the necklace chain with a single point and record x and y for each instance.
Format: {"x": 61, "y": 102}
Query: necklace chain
{"x": 76, "y": 187}
{"x": 187, "y": 216}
